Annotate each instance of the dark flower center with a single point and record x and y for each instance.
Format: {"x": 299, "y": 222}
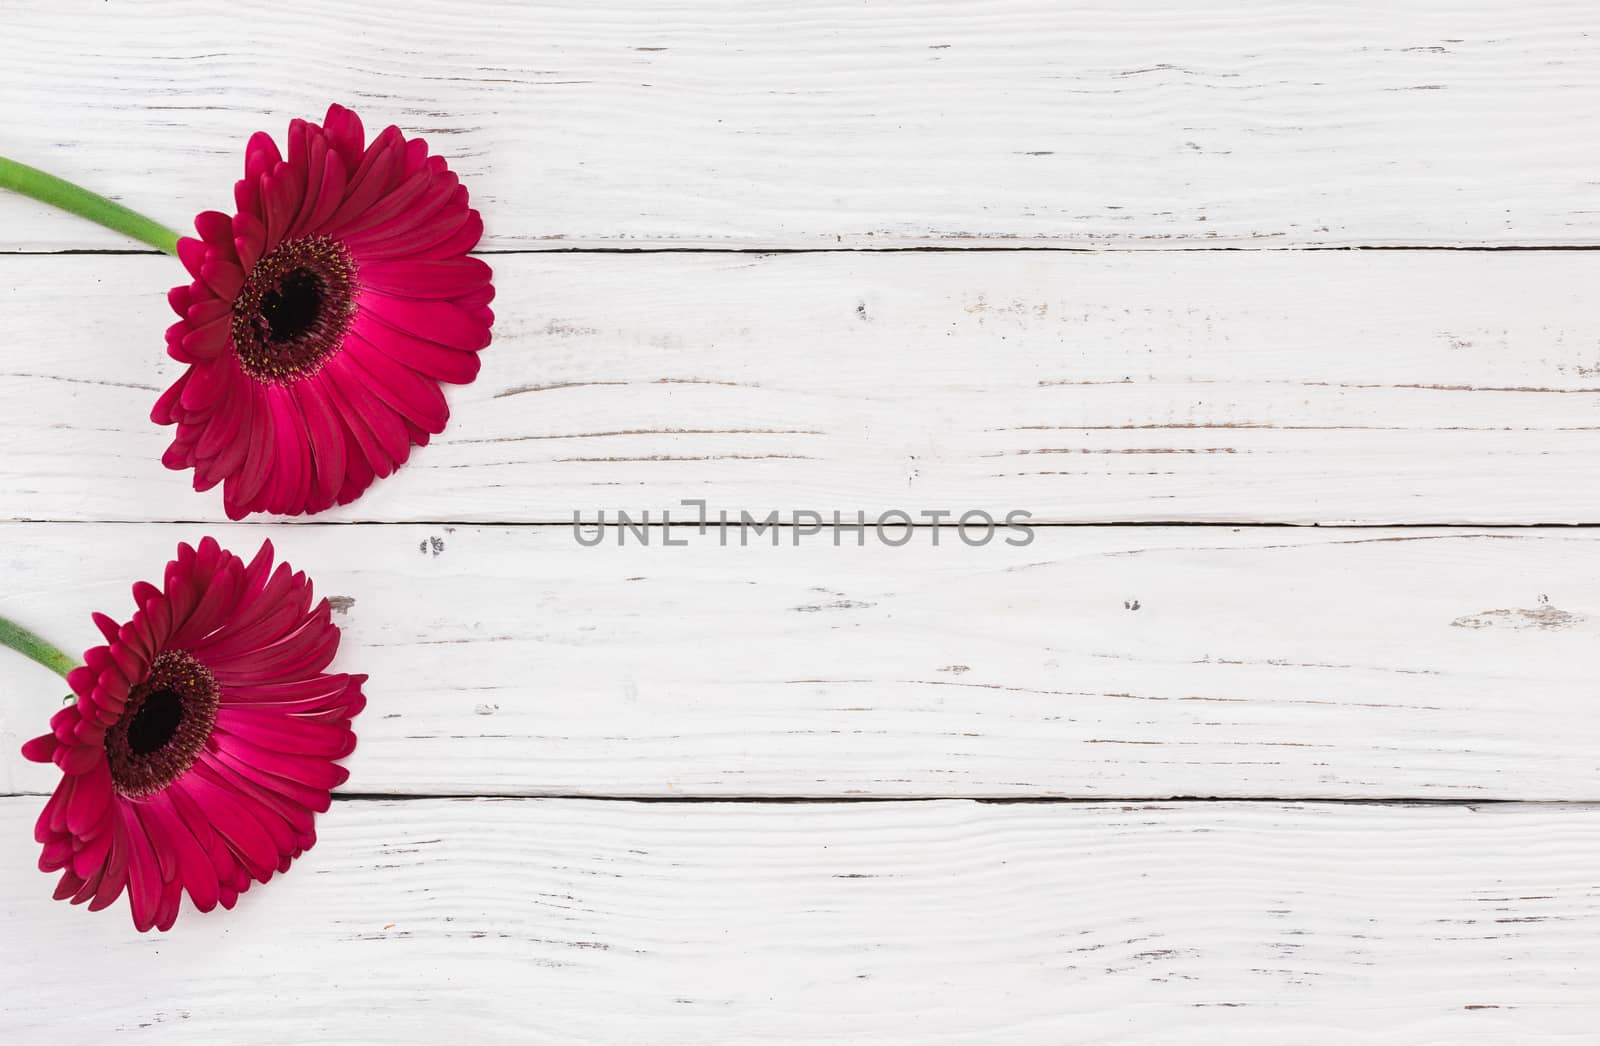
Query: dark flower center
{"x": 155, "y": 723}
{"x": 294, "y": 309}
{"x": 164, "y": 726}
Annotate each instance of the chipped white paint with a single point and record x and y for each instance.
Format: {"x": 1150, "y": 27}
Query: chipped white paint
{"x": 1413, "y": 387}
{"x": 920, "y": 924}
{"x": 1095, "y": 662}
{"x": 824, "y": 124}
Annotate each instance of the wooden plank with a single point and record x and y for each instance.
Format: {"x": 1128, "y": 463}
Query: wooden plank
{"x": 933, "y": 923}
{"x": 1111, "y": 662}
{"x": 1257, "y": 386}
{"x": 634, "y": 123}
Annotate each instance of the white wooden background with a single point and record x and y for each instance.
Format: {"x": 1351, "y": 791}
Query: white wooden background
{"x": 1176, "y": 772}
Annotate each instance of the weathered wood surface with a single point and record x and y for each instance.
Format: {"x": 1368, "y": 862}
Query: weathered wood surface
{"x": 771, "y": 124}
{"x": 1412, "y": 387}
{"x": 906, "y": 924}
{"x": 1106, "y": 662}
{"x": 1112, "y": 376}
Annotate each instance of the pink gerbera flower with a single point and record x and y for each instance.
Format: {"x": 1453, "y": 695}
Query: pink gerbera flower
{"x": 202, "y": 742}
{"x": 322, "y": 318}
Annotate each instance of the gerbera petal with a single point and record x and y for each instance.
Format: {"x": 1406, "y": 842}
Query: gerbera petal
{"x": 311, "y": 798}
{"x": 216, "y": 229}
{"x": 417, "y": 158}
{"x": 296, "y": 695}
{"x": 144, "y": 871}
{"x": 259, "y": 569}
{"x": 230, "y": 873}
{"x": 261, "y": 806}
{"x": 59, "y": 852}
{"x": 69, "y": 885}
{"x": 268, "y": 610}
{"x": 65, "y": 721}
{"x": 162, "y": 412}
{"x": 266, "y": 623}
{"x": 291, "y": 479}
{"x": 90, "y": 886}
{"x": 155, "y": 615}
{"x": 441, "y": 204}
{"x": 91, "y": 797}
{"x": 440, "y": 322}
{"x": 358, "y": 471}
{"x": 53, "y": 819}
{"x": 192, "y": 253}
{"x": 464, "y": 239}
{"x": 77, "y": 759}
{"x": 194, "y": 867}
{"x": 456, "y": 366}
{"x": 325, "y": 440}
{"x": 311, "y": 772}
{"x": 345, "y": 134}
{"x": 216, "y": 601}
{"x": 41, "y": 749}
{"x": 330, "y": 192}
{"x": 130, "y": 663}
{"x": 260, "y": 155}
{"x": 225, "y": 440}
{"x": 257, "y": 469}
{"x": 167, "y": 910}
{"x": 232, "y": 820}
{"x": 222, "y": 276}
{"x": 374, "y": 177}
{"x": 391, "y": 444}
{"x": 90, "y": 860}
{"x": 419, "y": 238}
{"x": 206, "y": 310}
{"x": 392, "y": 205}
{"x": 249, "y": 240}
{"x": 108, "y": 628}
{"x": 314, "y": 165}
{"x": 408, "y": 278}
{"x": 287, "y": 733}
{"x": 206, "y": 384}
{"x": 292, "y": 826}
{"x": 413, "y": 397}
{"x": 115, "y": 874}
{"x": 308, "y": 649}
{"x": 361, "y": 446}
{"x": 203, "y": 341}
{"x": 282, "y": 194}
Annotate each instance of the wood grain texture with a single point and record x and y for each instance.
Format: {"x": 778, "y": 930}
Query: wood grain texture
{"x": 1110, "y": 662}
{"x": 1111, "y": 377}
{"x": 1258, "y": 386}
{"x": 932, "y": 923}
{"x": 825, "y": 124}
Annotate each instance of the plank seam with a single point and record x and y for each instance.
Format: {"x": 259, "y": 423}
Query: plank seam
{"x": 940, "y": 249}
{"x": 836, "y": 800}
{"x": 784, "y": 525}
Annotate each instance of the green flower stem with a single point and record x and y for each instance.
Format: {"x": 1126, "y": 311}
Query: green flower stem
{"x": 27, "y": 644}
{"x": 47, "y": 188}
